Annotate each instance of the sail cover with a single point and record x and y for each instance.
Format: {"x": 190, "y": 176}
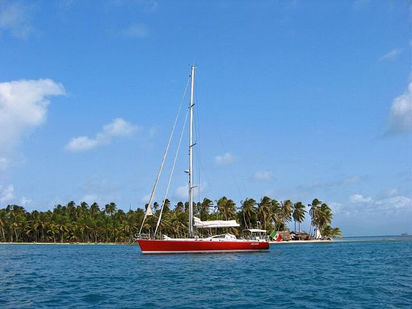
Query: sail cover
{"x": 256, "y": 231}
{"x": 214, "y": 223}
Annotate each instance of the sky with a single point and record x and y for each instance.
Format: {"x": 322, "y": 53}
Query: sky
{"x": 294, "y": 99}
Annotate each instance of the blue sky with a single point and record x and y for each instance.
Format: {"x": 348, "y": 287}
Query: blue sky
{"x": 295, "y": 99}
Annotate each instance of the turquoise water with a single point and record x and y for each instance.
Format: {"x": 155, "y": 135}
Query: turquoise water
{"x": 356, "y": 274}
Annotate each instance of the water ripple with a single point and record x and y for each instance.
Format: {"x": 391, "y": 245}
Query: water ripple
{"x": 363, "y": 274}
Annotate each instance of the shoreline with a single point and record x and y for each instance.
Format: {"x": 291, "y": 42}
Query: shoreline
{"x": 134, "y": 243}
{"x": 300, "y": 241}
{"x": 65, "y": 243}
{"x": 121, "y": 243}
{"x": 349, "y": 239}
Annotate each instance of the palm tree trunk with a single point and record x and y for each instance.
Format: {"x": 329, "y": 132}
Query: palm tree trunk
{"x": 244, "y": 220}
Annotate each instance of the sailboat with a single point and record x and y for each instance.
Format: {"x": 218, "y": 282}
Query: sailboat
{"x": 194, "y": 244}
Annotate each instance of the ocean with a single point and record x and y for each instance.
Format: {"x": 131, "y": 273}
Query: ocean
{"x": 361, "y": 273}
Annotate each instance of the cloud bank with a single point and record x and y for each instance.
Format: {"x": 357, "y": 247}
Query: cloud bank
{"x": 6, "y": 193}
{"x": 23, "y": 107}
{"x": 359, "y": 198}
{"x": 400, "y": 116}
{"x": 383, "y": 205}
{"x": 117, "y": 128}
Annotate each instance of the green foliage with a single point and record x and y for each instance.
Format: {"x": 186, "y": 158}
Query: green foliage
{"x": 329, "y": 231}
{"x": 298, "y": 213}
{"x": 322, "y": 218}
{"x": 84, "y": 223}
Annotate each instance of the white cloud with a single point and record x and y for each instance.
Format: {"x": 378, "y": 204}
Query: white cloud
{"x": 359, "y": 198}
{"x": 395, "y": 202}
{"x": 117, "y": 128}
{"x": 391, "y": 55}
{"x": 6, "y": 193}
{"x": 224, "y": 159}
{"x": 23, "y": 107}
{"x": 25, "y": 201}
{"x": 15, "y": 19}
{"x": 400, "y": 117}
{"x": 392, "y": 202}
{"x": 82, "y": 143}
{"x": 136, "y": 31}
{"x": 263, "y": 176}
{"x": 392, "y": 192}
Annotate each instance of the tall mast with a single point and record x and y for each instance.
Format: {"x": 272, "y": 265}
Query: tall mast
{"x": 192, "y": 77}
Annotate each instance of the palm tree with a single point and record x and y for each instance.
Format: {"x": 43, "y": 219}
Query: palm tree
{"x": 204, "y": 209}
{"x": 94, "y": 209}
{"x": 276, "y": 214}
{"x": 179, "y": 207}
{"x": 166, "y": 206}
{"x": 84, "y": 224}
{"x": 324, "y": 216}
{"x": 3, "y": 221}
{"x": 264, "y": 211}
{"x": 314, "y": 213}
{"x": 226, "y": 208}
{"x": 71, "y": 208}
{"x": 110, "y": 208}
{"x": 298, "y": 213}
{"x": 329, "y": 231}
{"x": 286, "y": 209}
{"x": 53, "y": 231}
{"x": 248, "y": 211}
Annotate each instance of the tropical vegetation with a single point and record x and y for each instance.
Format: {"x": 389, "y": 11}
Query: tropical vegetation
{"x": 92, "y": 223}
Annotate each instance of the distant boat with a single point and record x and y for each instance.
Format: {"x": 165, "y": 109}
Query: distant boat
{"x": 404, "y": 234}
{"x": 194, "y": 244}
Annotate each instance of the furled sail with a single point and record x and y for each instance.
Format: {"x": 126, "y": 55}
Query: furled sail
{"x": 149, "y": 211}
{"x": 214, "y": 223}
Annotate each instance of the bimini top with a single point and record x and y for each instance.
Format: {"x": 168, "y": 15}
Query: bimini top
{"x": 215, "y": 223}
{"x": 255, "y": 230}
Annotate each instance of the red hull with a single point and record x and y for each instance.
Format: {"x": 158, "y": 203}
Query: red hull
{"x": 200, "y": 246}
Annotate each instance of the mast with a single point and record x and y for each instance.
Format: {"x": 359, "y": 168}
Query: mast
{"x": 192, "y": 77}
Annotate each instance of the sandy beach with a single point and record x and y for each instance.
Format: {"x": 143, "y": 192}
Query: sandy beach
{"x": 299, "y": 241}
